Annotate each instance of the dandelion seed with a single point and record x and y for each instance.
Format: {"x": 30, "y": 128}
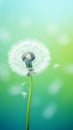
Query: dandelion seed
{"x": 24, "y": 94}
{"x": 23, "y": 84}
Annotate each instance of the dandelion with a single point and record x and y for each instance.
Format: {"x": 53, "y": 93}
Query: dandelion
{"x": 27, "y": 58}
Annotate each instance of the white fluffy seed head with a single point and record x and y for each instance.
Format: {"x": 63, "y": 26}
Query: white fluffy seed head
{"x": 42, "y": 56}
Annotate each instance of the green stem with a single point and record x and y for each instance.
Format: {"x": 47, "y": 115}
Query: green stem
{"x": 29, "y": 103}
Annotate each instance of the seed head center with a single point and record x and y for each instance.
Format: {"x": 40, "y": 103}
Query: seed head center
{"x": 28, "y": 58}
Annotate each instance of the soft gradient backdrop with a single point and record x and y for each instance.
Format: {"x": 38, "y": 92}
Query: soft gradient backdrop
{"x": 51, "y": 22}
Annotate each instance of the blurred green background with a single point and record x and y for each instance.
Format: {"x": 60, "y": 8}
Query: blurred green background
{"x": 49, "y": 21}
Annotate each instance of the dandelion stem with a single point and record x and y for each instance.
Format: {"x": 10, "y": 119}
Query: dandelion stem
{"x": 29, "y": 103}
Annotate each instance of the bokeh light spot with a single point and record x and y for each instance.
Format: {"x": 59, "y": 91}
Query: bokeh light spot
{"x": 25, "y": 22}
{"x": 5, "y": 35}
{"x": 56, "y": 65}
{"x": 52, "y": 29}
{"x": 63, "y": 39}
{"x": 68, "y": 68}
{"x": 55, "y": 87}
{"x": 50, "y": 111}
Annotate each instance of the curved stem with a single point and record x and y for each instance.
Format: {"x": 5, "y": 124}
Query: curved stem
{"x": 29, "y": 103}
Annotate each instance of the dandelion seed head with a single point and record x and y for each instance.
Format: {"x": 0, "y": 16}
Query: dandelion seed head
{"x": 31, "y": 50}
{"x": 28, "y": 57}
